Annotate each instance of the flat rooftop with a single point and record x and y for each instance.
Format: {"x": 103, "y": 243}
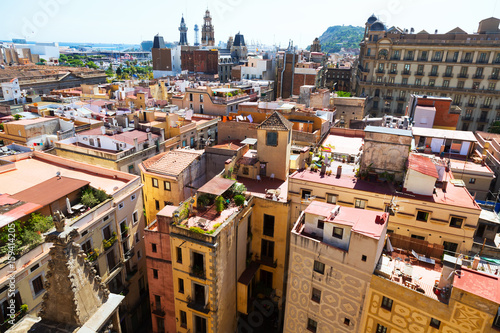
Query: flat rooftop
{"x": 127, "y": 137}
{"x": 343, "y": 144}
{"x": 30, "y": 172}
{"x": 480, "y": 284}
{"x": 471, "y": 167}
{"x": 266, "y": 188}
{"x": 454, "y": 196}
{"x": 444, "y": 134}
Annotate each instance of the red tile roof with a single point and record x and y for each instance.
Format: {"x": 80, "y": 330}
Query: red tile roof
{"x": 50, "y": 190}
{"x": 423, "y": 165}
{"x": 171, "y": 163}
{"x": 479, "y": 284}
{"x": 127, "y": 137}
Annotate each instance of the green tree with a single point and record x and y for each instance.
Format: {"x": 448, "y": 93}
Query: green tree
{"x": 91, "y": 64}
{"x": 495, "y": 127}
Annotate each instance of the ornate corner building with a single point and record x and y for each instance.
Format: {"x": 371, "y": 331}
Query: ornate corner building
{"x": 395, "y": 63}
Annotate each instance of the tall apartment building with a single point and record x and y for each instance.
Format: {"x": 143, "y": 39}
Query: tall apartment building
{"x": 465, "y": 67}
{"x": 333, "y": 252}
{"x": 109, "y": 231}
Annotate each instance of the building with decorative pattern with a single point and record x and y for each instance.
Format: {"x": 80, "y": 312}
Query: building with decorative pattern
{"x": 333, "y": 252}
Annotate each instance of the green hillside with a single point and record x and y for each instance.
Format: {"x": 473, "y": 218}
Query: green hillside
{"x": 349, "y": 36}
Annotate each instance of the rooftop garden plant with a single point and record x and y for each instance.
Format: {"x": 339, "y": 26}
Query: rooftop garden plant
{"x": 92, "y": 197}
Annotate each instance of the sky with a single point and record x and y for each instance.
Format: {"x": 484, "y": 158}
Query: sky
{"x": 260, "y": 21}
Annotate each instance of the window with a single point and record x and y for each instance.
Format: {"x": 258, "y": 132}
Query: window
{"x": 139, "y": 255}
{"x": 121, "y": 205}
{"x": 155, "y": 273}
{"x": 450, "y": 248}
{"x": 132, "y": 197}
{"x": 418, "y": 82}
{"x": 321, "y": 224}
{"x": 422, "y": 216}
{"x": 460, "y": 84}
{"x": 381, "y": 329}
{"x": 338, "y": 232}
{"x": 404, "y": 81}
{"x": 201, "y": 98}
{"x": 37, "y": 285}
{"x": 183, "y": 319}
{"x": 319, "y": 267}
{"x": 435, "y": 323}
{"x": 420, "y": 69}
{"x": 181, "y": 286}
{"x": 316, "y": 295}
{"x": 157, "y": 205}
{"x": 272, "y": 138}
{"x": 456, "y": 222}
{"x": 179, "y": 255}
{"x": 347, "y": 322}
{"x": 360, "y": 203}
{"x": 267, "y": 250}
{"x": 312, "y": 325}
{"x": 166, "y": 186}
{"x": 446, "y": 83}
{"x": 190, "y": 97}
{"x": 363, "y": 258}
{"x": 155, "y": 182}
{"x": 269, "y": 225}
{"x": 417, "y": 237}
{"x": 137, "y": 235}
{"x": 331, "y": 198}
{"x": 154, "y": 248}
{"x": 434, "y": 70}
{"x": 160, "y": 324}
{"x": 135, "y": 217}
{"x": 245, "y": 171}
{"x": 87, "y": 246}
{"x": 386, "y": 303}
{"x": 496, "y": 321}
{"x": 306, "y": 194}
{"x": 472, "y": 180}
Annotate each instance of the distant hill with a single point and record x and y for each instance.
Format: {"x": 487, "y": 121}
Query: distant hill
{"x": 338, "y": 36}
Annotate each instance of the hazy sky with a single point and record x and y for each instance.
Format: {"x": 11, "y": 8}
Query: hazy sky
{"x": 264, "y": 21}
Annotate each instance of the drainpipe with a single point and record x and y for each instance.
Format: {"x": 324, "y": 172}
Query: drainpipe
{"x": 293, "y": 73}
{"x": 284, "y": 65}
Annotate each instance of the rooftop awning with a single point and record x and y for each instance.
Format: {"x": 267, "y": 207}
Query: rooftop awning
{"x": 249, "y": 141}
{"x": 247, "y": 276}
{"x": 217, "y": 185}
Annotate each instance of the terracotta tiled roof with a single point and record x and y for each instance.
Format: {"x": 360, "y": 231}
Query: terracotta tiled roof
{"x": 228, "y": 145}
{"x": 276, "y": 122}
{"x": 50, "y": 190}
{"x": 422, "y": 164}
{"x": 171, "y": 163}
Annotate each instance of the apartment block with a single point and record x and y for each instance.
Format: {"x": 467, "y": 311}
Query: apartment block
{"x": 105, "y": 208}
{"x": 333, "y": 252}
{"x": 393, "y": 64}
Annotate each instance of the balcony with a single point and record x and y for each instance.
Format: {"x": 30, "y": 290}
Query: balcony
{"x": 198, "y": 305}
{"x": 450, "y": 75}
{"x": 393, "y": 72}
{"x": 482, "y": 120}
{"x": 158, "y": 311}
{"x": 451, "y": 60}
{"x": 388, "y": 98}
{"x": 494, "y": 77}
{"x": 198, "y": 272}
{"x": 463, "y": 76}
{"x": 267, "y": 261}
{"x": 471, "y": 105}
{"x": 401, "y": 98}
{"x": 433, "y": 74}
{"x": 486, "y": 106}
{"x": 437, "y": 59}
{"x": 482, "y": 61}
{"x": 467, "y": 118}
{"x": 477, "y": 76}
{"x": 395, "y": 58}
{"x": 380, "y": 71}
{"x": 405, "y": 72}
{"x": 422, "y": 59}
{"x": 466, "y": 61}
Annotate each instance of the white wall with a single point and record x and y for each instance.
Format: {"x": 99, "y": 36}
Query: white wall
{"x": 419, "y": 183}
{"x": 436, "y": 144}
{"x": 424, "y": 117}
{"x": 106, "y": 142}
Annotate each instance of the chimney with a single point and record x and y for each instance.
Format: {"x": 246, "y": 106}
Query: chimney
{"x": 475, "y": 263}
{"x": 445, "y": 185}
{"x": 150, "y": 138}
{"x": 136, "y": 144}
{"x": 339, "y": 171}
